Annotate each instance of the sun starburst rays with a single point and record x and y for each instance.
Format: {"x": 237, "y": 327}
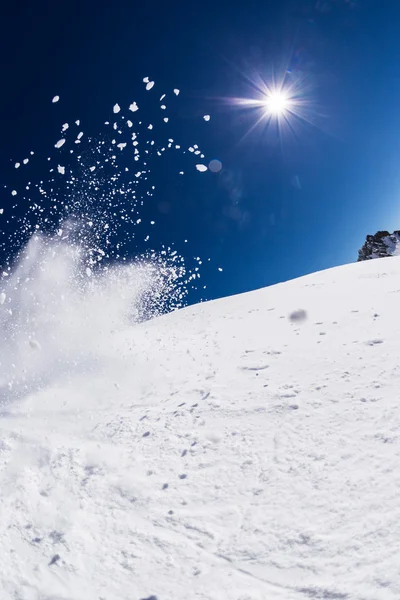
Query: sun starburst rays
{"x": 281, "y": 106}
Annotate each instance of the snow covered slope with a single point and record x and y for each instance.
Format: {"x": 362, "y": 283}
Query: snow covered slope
{"x": 225, "y": 451}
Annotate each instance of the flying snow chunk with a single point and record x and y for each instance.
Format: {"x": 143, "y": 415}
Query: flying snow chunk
{"x": 88, "y": 271}
{"x": 165, "y": 119}
{"x": 149, "y": 85}
{"x": 146, "y": 80}
{"x": 14, "y": 193}
{"x": 61, "y": 169}
{"x": 116, "y": 108}
{"x": 121, "y": 146}
{"x": 55, "y": 99}
{"x": 133, "y": 107}
{"x": 60, "y": 143}
{"x": 64, "y": 127}
{"x": 129, "y": 123}
{"x": 206, "y": 117}
{"x": 77, "y": 122}
{"x": 17, "y": 165}
{"x": 2, "y": 298}
{"x": 201, "y": 168}
{"x": 176, "y": 92}
{"x": 25, "y": 161}
{"x": 298, "y": 316}
{"x": 1, "y": 211}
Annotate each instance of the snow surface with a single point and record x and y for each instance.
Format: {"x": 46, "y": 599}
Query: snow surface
{"x": 225, "y": 451}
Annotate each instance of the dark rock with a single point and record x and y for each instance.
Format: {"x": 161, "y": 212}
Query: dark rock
{"x": 380, "y": 245}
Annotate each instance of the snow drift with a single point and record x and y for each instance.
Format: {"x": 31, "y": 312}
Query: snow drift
{"x": 242, "y": 449}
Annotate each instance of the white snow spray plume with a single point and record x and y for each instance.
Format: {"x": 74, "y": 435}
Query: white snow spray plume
{"x": 56, "y": 314}
{"x": 77, "y": 281}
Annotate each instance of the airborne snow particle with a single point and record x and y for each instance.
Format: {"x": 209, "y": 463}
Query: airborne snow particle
{"x": 165, "y": 119}
{"x": 80, "y": 134}
{"x": 1, "y": 211}
{"x": 61, "y": 169}
{"x": 55, "y": 99}
{"x": 219, "y": 269}
{"x": 129, "y": 123}
{"x": 133, "y": 107}
{"x": 298, "y": 316}
{"x": 116, "y": 108}
{"x": 88, "y": 271}
{"x": 150, "y": 126}
{"x": 146, "y": 79}
{"x": 149, "y": 85}
{"x": 176, "y": 92}
{"x": 2, "y": 298}
{"x": 14, "y": 193}
{"x": 201, "y": 168}
{"x": 25, "y": 161}
{"x": 60, "y": 143}
{"x": 17, "y": 165}
{"x": 77, "y": 122}
{"x": 206, "y": 117}
{"x": 64, "y": 127}
{"x": 163, "y": 107}
{"x": 121, "y": 146}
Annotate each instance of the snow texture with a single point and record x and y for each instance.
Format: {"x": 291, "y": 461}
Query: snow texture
{"x": 227, "y": 451}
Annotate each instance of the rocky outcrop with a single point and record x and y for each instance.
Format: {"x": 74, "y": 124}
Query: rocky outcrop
{"x": 380, "y": 245}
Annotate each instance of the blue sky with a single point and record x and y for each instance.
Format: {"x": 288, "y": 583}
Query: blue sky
{"x": 283, "y": 205}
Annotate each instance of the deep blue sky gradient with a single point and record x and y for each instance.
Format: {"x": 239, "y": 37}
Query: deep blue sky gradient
{"x": 252, "y": 218}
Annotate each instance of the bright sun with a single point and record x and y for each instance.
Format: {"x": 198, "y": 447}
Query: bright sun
{"x": 280, "y": 106}
{"x": 276, "y": 103}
